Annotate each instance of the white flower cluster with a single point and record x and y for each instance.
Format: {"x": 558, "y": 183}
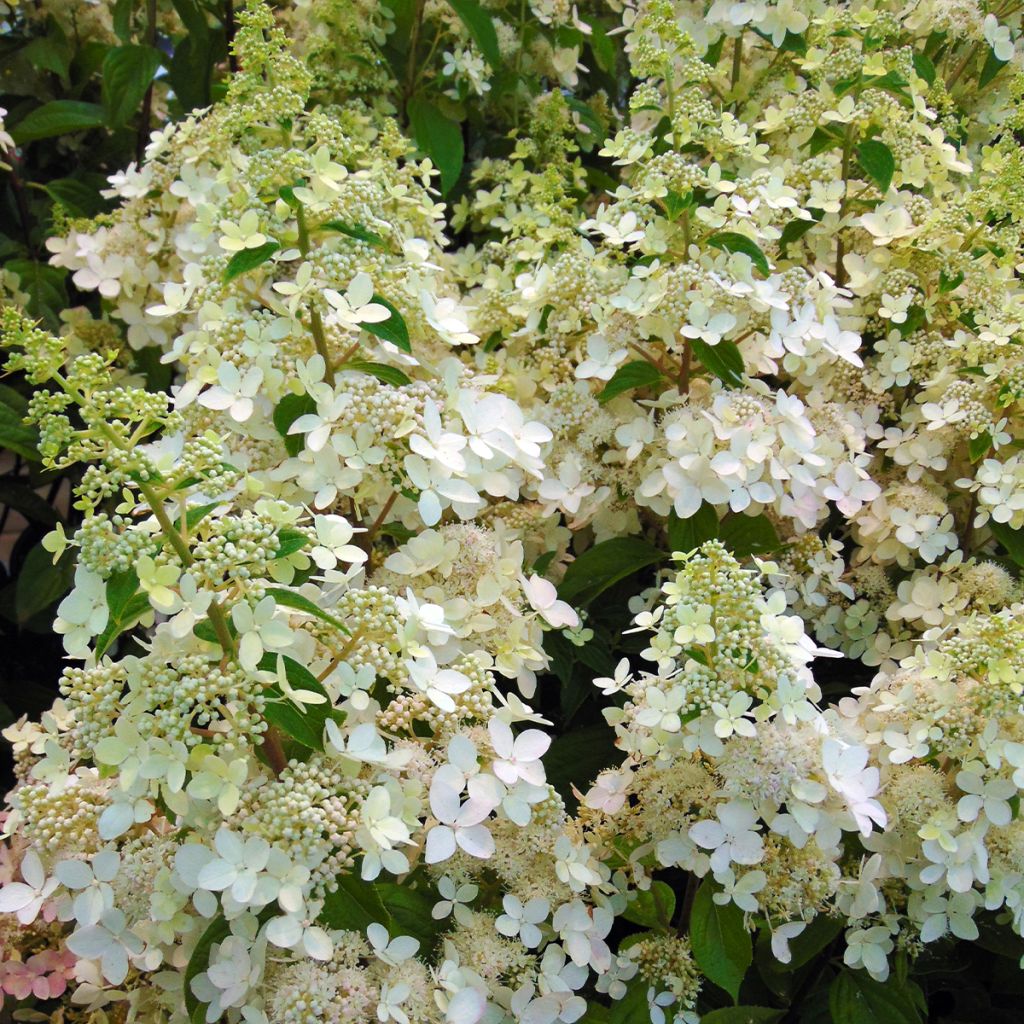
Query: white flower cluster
{"x": 750, "y": 326}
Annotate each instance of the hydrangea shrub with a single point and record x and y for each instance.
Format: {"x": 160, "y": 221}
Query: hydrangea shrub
{"x": 573, "y": 573}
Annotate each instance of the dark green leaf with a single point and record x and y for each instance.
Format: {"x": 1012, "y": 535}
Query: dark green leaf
{"x": 721, "y": 944}
{"x": 409, "y": 908}
{"x": 856, "y": 998}
{"x": 393, "y": 329}
{"x": 190, "y": 71}
{"x": 41, "y": 583}
{"x": 249, "y": 259}
{"x": 388, "y": 374}
{"x": 17, "y": 436}
{"x": 216, "y": 931}
{"x": 439, "y": 138}
{"x": 793, "y": 232}
{"x": 605, "y": 564}
{"x": 356, "y": 231}
{"x": 578, "y": 757}
{"x": 687, "y": 534}
{"x": 924, "y": 67}
{"x": 481, "y": 29}
{"x": 602, "y": 47}
{"x": 49, "y": 54}
{"x": 20, "y": 497}
{"x": 948, "y": 284}
{"x": 45, "y": 287}
{"x": 305, "y": 722}
{"x": 747, "y": 535}
{"x": 127, "y": 74}
{"x": 121, "y": 588}
{"x": 638, "y": 374}
{"x": 286, "y": 412}
{"x": 354, "y": 905}
{"x": 676, "y": 205}
{"x": 58, "y": 117}
{"x": 290, "y": 541}
{"x": 303, "y": 604}
{"x": 978, "y": 447}
{"x": 723, "y": 360}
{"x": 733, "y": 241}
{"x": 992, "y": 66}
{"x": 878, "y": 162}
{"x": 125, "y": 606}
{"x": 653, "y": 908}
{"x": 122, "y": 19}
{"x": 742, "y": 1015}
{"x": 1011, "y": 539}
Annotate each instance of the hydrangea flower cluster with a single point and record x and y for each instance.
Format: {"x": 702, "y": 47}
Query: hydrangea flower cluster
{"x": 731, "y": 318}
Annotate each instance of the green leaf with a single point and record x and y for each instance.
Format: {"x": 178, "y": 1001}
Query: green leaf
{"x": 1011, "y": 539}
{"x": 49, "y": 54}
{"x": 602, "y": 47}
{"x": 605, "y": 564}
{"x": 747, "y": 535}
{"x": 793, "y": 232}
{"x": 733, "y": 241}
{"x": 356, "y": 231}
{"x": 190, "y": 70}
{"x": 216, "y": 931}
{"x": 393, "y": 329}
{"x": 687, "y": 534}
{"x": 127, "y": 74}
{"x": 742, "y": 1015}
{"x": 58, "y": 117}
{"x": 16, "y": 435}
{"x": 856, "y": 998}
{"x": 878, "y": 162}
{"x": 676, "y": 205}
{"x": 978, "y": 447}
{"x": 388, "y": 374}
{"x": 354, "y": 905}
{"x": 924, "y": 67}
{"x": 41, "y": 583}
{"x": 439, "y": 137}
{"x": 290, "y": 541}
{"x": 45, "y": 287}
{"x": 481, "y": 29}
{"x": 122, "y": 19}
{"x": 948, "y": 284}
{"x": 77, "y": 197}
{"x": 125, "y": 606}
{"x": 303, "y": 604}
{"x": 638, "y": 374}
{"x": 286, "y": 412}
{"x": 577, "y": 757}
{"x": 723, "y": 360}
{"x": 653, "y": 908}
{"x": 19, "y": 496}
{"x": 409, "y": 909}
{"x": 992, "y": 66}
{"x": 721, "y": 944}
{"x": 249, "y": 259}
{"x": 632, "y": 1008}
{"x": 305, "y": 722}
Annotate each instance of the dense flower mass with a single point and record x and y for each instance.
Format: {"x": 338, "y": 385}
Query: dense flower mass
{"x": 696, "y": 375}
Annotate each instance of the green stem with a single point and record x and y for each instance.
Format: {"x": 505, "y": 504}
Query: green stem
{"x": 840, "y": 275}
{"x": 737, "y": 64}
{"x": 315, "y": 320}
{"x": 414, "y": 39}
